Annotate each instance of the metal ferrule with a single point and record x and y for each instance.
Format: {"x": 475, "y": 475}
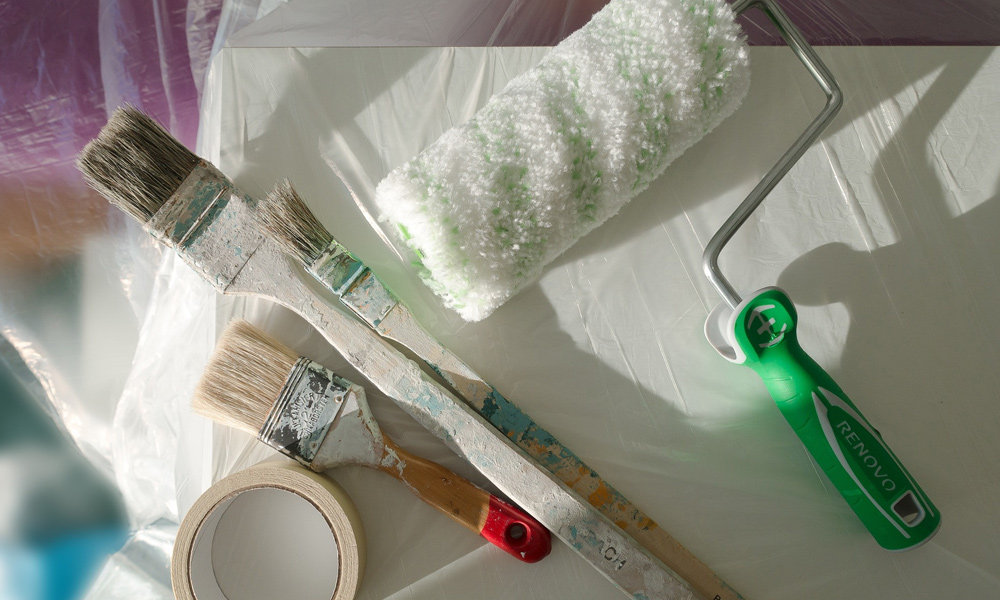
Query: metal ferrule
{"x": 209, "y": 222}
{"x": 309, "y": 402}
{"x": 337, "y": 268}
{"x": 358, "y": 288}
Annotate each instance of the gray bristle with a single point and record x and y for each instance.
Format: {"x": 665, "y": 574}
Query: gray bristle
{"x": 135, "y": 163}
{"x": 244, "y": 377}
{"x": 287, "y": 218}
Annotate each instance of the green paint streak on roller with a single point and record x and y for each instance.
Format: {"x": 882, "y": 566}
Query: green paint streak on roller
{"x": 573, "y": 126}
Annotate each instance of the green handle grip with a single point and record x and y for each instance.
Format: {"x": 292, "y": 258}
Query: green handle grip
{"x": 849, "y": 450}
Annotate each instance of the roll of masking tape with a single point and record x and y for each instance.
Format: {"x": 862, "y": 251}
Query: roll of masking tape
{"x": 275, "y": 530}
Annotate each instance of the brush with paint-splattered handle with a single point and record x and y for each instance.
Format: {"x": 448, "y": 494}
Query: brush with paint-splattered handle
{"x": 191, "y": 207}
{"x": 296, "y": 229}
{"x": 257, "y": 384}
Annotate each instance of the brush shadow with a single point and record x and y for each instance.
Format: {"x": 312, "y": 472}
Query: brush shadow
{"x": 306, "y": 117}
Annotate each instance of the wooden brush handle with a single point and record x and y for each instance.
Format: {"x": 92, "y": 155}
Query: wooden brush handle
{"x": 505, "y": 526}
{"x": 539, "y": 444}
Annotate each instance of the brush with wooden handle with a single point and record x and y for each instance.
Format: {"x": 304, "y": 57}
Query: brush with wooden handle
{"x": 193, "y": 208}
{"x": 296, "y": 229}
{"x": 255, "y": 383}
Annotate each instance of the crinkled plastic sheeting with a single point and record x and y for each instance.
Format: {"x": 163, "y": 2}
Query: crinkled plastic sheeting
{"x": 884, "y": 235}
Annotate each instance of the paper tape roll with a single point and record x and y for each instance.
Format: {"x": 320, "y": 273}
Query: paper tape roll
{"x": 273, "y": 530}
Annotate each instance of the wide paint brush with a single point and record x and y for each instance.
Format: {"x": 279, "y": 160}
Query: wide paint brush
{"x": 296, "y": 229}
{"x": 255, "y": 383}
{"x": 190, "y": 206}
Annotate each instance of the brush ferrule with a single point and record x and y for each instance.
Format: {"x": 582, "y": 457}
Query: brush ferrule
{"x": 301, "y": 417}
{"x": 208, "y": 221}
{"x": 354, "y": 283}
{"x": 337, "y": 268}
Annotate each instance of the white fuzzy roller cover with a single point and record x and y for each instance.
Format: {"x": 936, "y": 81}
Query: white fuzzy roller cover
{"x": 564, "y": 146}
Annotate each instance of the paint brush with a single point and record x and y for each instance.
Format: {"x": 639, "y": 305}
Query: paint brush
{"x": 296, "y": 229}
{"x": 255, "y": 383}
{"x": 190, "y": 206}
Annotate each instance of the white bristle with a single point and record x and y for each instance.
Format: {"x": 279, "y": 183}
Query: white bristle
{"x": 135, "y": 163}
{"x": 565, "y": 145}
{"x": 290, "y": 222}
{"x": 243, "y": 378}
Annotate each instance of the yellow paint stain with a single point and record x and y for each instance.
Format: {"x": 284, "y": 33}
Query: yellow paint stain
{"x": 603, "y": 498}
{"x": 600, "y": 495}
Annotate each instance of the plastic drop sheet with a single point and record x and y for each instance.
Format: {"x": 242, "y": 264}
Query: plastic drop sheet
{"x": 884, "y": 234}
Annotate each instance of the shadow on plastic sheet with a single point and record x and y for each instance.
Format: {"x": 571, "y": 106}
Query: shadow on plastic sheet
{"x": 942, "y": 265}
{"x": 921, "y": 348}
{"x": 939, "y": 260}
{"x": 306, "y": 145}
{"x": 778, "y": 107}
{"x": 920, "y": 356}
{"x": 661, "y": 468}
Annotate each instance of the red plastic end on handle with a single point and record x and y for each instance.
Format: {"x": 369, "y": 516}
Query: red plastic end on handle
{"x": 516, "y": 532}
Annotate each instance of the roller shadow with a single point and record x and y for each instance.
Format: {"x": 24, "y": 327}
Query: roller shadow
{"x": 782, "y": 100}
{"x": 920, "y": 357}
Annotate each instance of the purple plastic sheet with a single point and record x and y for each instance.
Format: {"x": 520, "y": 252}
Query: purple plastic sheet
{"x": 64, "y": 64}
{"x": 887, "y": 23}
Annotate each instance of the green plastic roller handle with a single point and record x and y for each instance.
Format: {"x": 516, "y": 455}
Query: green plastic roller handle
{"x": 762, "y": 336}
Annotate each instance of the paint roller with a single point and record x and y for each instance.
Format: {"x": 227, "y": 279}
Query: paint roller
{"x": 566, "y": 144}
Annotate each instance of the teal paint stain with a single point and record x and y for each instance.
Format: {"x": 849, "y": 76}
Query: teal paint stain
{"x": 202, "y": 209}
{"x": 549, "y": 452}
{"x": 369, "y": 298}
{"x": 507, "y": 417}
{"x": 595, "y": 543}
{"x": 574, "y": 540}
{"x": 543, "y": 446}
{"x": 431, "y": 404}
